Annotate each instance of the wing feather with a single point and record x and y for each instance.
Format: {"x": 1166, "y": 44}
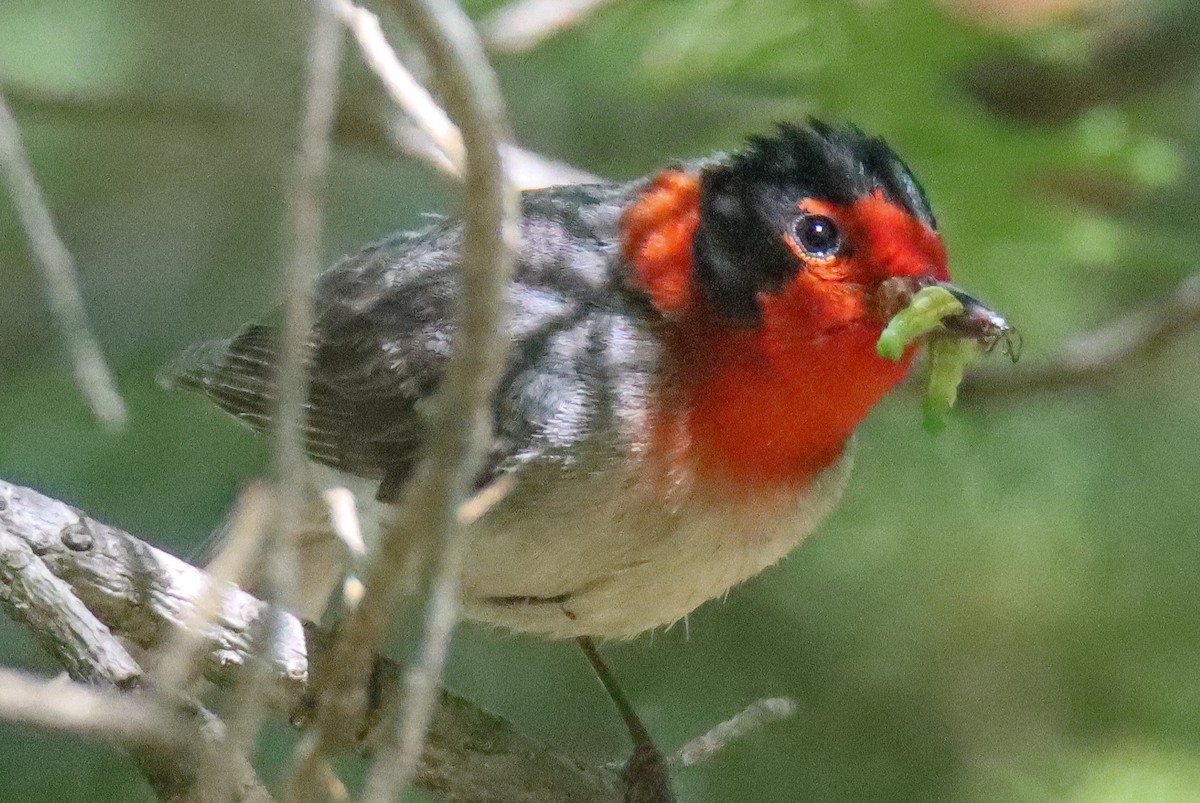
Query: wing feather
{"x": 383, "y": 333}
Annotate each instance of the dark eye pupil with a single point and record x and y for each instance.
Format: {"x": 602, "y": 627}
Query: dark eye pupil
{"x": 818, "y": 235}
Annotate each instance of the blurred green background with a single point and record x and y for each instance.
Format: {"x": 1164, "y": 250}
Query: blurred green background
{"x": 1007, "y": 612}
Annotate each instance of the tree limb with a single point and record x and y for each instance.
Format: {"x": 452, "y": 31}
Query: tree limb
{"x": 145, "y": 595}
{"x": 1095, "y": 356}
{"x": 461, "y": 421}
{"x": 35, "y": 594}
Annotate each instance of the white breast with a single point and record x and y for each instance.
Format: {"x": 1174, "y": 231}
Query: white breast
{"x": 592, "y": 554}
{"x": 612, "y": 562}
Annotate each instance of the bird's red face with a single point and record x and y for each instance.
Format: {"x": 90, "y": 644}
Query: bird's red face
{"x": 776, "y": 272}
{"x": 845, "y": 253}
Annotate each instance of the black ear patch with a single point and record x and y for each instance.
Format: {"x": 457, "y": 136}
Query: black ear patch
{"x": 738, "y": 253}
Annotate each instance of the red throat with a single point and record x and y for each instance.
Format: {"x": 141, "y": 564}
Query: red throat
{"x": 751, "y": 409}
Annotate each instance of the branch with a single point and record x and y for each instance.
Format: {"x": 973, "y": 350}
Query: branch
{"x": 62, "y": 705}
{"x": 147, "y": 596}
{"x": 35, "y": 595}
{"x": 63, "y": 624}
{"x": 705, "y": 748}
{"x": 1093, "y": 357}
{"x": 291, "y": 389}
{"x": 403, "y": 88}
{"x": 455, "y": 451}
{"x": 429, "y": 134}
{"x": 525, "y": 24}
{"x": 58, "y": 274}
{"x": 171, "y": 748}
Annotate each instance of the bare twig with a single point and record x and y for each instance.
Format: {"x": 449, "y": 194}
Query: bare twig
{"x": 58, "y": 273}
{"x": 429, "y": 134}
{"x": 60, "y": 704}
{"x": 147, "y": 595}
{"x": 531, "y": 170}
{"x": 455, "y": 454}
{"x": 525, "y": 24}
{"x": 1093, "y": 357}
{"x": 305, "y": 202}
{"x": 362, "y": 131}
{"x": 66, "y": 628}
{"x": 704, "y": 748}
{"x": 240, "y": 547}
{"x": 344, "y": 521}
{"x": 486, "y": 498}
{"x": 31, "y": 536}
{"x": 165, "y": 746}
{"x": 182, "y": 777}
{"x": 404, "y": 90}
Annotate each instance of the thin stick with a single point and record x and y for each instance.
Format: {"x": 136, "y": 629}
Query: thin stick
{"x": 290, "y": 464}
{"x": 1095, "y": 356}
{"x": 704, "y": 748}
{"x": 354, "y": 130}
{"x": 92, "y": 373}
{"x": 404, "y": 90}
{"x": 306, "y": 211}
{"x": 63, "y": 705}
{"x": 525, "y": 24}
{"x": 241, "y": 546}
{"x": 455, "y": 452}
{"x": 429, "y": 134}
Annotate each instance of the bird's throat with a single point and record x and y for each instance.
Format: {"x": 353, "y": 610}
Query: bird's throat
{"x": 747, "y": 409}
{"x": 744, "y": 414}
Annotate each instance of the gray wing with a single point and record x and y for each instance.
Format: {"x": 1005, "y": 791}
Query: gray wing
{"x": 384, "y": 330}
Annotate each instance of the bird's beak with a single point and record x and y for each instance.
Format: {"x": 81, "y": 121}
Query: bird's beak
{"x": 977, "y": 321}
{"x": 981, "y": 323}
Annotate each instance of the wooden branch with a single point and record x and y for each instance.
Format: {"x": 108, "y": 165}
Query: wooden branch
{"x": 525, "y": 24}
{"x": 160, "y": 740}
{"x": 1093, "y": 357}
{"x": 356, "y": 130}
{"x": 59, "y": 278}
{"x": 63, "y": 624}
{"x": 461, "y": 420}
{"x": 145, "y": 595}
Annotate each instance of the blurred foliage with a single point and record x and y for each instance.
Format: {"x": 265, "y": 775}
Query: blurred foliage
{"x": 1005, "y": 612}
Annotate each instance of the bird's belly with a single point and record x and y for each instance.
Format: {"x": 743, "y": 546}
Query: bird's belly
{"x": 602, "y": 558}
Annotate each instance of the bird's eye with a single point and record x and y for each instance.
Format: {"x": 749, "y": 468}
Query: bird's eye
{"x": 818, "y": 235}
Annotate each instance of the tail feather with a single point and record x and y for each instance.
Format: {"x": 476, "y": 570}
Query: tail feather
{"x": 194, "y": 367}
{"x": 238, "y": 374}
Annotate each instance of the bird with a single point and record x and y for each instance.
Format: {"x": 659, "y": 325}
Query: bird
{"x": 692, "y": 353}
